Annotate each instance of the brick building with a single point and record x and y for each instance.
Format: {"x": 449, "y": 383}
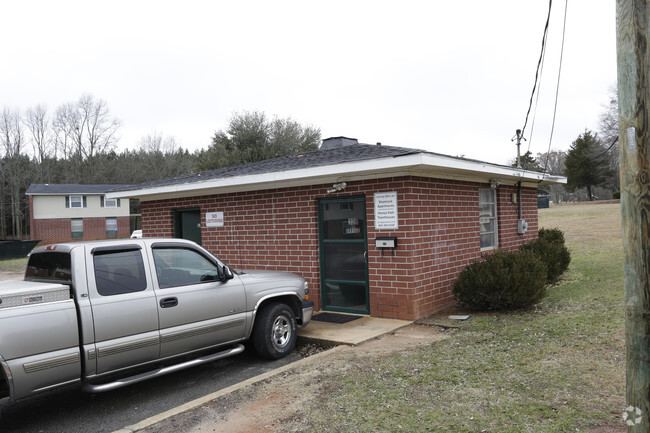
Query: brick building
{"x": 375, "y": 229}
{"x": 64, "y": 212}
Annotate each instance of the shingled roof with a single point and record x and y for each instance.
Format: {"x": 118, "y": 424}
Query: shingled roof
{"x": 331, "y": 164}
{"x": 319, "y": 158}
{"x": 72, "y": 188}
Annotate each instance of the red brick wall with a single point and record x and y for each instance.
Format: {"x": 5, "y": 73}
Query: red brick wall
{"x": 278, "y": 230}
{"x": 508, "y": 215}
{"x": 59, "y": 229}
{"x": 32, "y": 236}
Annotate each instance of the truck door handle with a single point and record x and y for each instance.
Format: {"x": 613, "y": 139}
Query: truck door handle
{"x": 168, "y": 302}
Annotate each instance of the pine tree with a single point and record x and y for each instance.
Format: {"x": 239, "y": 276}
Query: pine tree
{"x": 586, "y": 164}
{"x": 252, "y": 137}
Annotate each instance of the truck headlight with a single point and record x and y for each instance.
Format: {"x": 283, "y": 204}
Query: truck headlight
{"x": 306, "y": 289}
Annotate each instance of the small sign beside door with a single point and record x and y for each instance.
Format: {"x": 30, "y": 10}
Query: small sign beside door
{"x": 386, "y": 210}
{"x": 214, "y": 219}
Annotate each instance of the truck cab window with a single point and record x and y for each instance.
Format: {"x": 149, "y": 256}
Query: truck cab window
{"x": 179, "y": 267}
{"x": 119, "y": 272}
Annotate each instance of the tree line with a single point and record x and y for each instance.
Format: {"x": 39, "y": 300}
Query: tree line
{"x": 77, "y": 143}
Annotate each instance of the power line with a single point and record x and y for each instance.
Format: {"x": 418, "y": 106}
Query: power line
{"x": 539, "y": 65}
{"x": 557, "y": 88}
{"x": 539, "y": 90}
{"x": 607, "y": 150}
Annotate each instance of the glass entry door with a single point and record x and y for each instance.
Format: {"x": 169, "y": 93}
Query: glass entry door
{"x": 344, "y": 254}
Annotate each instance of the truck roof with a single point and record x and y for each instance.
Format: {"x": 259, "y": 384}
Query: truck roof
{"x": 66, "y": 247}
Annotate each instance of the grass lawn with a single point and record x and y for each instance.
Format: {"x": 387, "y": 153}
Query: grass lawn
{"x": 559, "y": 367}
{"x": 13, "y": 265}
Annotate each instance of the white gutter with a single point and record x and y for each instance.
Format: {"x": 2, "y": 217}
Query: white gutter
{"x": 419, "y": 164}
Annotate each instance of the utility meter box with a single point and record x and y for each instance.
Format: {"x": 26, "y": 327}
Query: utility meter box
{"x": 522, "y": 226}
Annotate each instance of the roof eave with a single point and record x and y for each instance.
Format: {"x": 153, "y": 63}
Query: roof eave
{"x": 420, "y": 164}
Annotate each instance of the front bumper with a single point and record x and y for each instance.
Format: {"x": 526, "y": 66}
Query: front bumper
{"x": 307, "y": 312}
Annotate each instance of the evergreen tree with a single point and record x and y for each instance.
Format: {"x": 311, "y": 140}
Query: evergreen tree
{"x": 251, "y": 137}
{"x": 586, "y": 164}
{"x": 528, "y": 162}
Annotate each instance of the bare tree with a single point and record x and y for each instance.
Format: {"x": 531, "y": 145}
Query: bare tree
{"x": 608, "y": 120}
{"x": 156, "y": 142}
{"x": 608, "y": 124}
{"x": 100, "y": 129}
{"x": 12, "y": 132}
{"x": 68, "y": 131}
{"x": 553, "y": 163}
{"x": 13, "y": 172}
{"x": 162, "y": 157}
{"x": 37, "y": 122}
{"x": 82, "y": 132}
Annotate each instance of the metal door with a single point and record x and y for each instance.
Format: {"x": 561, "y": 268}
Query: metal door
{"x": 187, "y": 224}
{"x": 124, "y": 310}
{"x": 196, "y": 310}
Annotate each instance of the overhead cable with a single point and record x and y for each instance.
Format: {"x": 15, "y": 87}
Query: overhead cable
{"x": 607, "y": 150}
{"x": 557, "y": 88}
{"x": 539, "y": 66}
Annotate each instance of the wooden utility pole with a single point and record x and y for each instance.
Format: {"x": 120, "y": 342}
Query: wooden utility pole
{"x": 634, "y": 129}
{"x": 518, "y": 136}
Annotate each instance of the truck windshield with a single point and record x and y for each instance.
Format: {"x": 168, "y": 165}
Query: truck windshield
{"x": 49, "y": 266}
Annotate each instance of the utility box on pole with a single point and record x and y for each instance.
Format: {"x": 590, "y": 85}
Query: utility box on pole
{"x": 634, "y": 123}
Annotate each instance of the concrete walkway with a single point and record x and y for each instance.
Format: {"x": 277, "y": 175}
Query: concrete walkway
{"x": 351, "y": 333}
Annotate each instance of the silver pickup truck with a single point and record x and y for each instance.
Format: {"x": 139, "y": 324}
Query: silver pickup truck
{"x": 107, "y": 314}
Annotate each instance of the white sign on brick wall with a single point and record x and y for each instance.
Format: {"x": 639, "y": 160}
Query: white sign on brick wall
{"x": 386, "y": 210}
{"x": 214, "y": 219}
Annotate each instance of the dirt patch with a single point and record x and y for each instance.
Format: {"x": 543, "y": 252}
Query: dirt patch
{"x": 278, "y": 404}
{"x": 4, "y": 276}
{"x": 607, "y": 429}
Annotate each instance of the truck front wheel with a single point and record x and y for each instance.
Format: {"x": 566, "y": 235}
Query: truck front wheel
{"x": 274, "y": 333}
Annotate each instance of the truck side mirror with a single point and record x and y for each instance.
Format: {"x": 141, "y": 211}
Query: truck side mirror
{"x": 226, "y": 274}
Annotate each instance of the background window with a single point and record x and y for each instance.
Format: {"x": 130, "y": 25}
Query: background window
{"x": 109, "y": 202}
{"x": 111, "y": 227}
{"x": 487, "y": 212}
{"x": 76, "y": 201}
{"x": 77, "y": 227}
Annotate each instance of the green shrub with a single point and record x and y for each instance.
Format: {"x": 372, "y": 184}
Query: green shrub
{"x": 502, "y": 281}
{"x": 551, "y": 235}
{"x": 549, "y": 246}
{"x": 616, "y": 195}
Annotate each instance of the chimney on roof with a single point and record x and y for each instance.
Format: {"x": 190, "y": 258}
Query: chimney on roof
{"x": 336, "y": 142}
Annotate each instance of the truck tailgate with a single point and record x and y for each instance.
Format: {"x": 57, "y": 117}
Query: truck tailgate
{"x": 39, "y": 336}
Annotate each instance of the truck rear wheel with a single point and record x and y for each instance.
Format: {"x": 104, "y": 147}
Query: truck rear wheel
{"x": 275, "y": 331}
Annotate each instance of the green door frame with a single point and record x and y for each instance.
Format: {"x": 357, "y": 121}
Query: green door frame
{"x": 322, "y": 242}
{"x": 181, "y": 230}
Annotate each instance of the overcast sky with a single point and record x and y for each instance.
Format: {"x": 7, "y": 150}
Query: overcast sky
{"x": 452, "y": 77}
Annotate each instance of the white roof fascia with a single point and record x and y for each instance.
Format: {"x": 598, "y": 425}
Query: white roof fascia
{"x": 420, "y": 163}
{"x": 66, "y": 193}
{"x": 494, "y": 171}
